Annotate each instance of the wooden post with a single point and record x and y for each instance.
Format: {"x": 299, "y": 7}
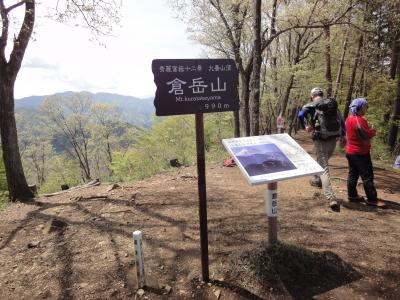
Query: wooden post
{"x": 271, "y": 201}
{"x": 201, "y": 174}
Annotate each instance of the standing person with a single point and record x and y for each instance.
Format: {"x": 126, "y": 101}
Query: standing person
{"x": 326, "y": 124}
{"x": 358, "y": 155}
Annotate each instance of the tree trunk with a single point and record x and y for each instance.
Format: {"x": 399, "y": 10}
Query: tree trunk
{"x": 244, "y": 105}
{"x": 395, "y": 55}
{"x": 274, "y": 70}
{"x": 274, "y": 59}
{"x": 353, "y": 76}
{"x": 17, "y": 185}
{"x": 285, "y": 98}
{"x": 255, "y": 84}
{"x": 364, "y": 90}
{"x": 86, "y": 161}
{"x": 236, "y": 123}
{"x": 292, "y": 62}
{"x": 359, "y": 90}
{"x": 234, "y": 35}
{"x": 328, "y": 72}
{"x": 341, "y": 64}
{"x": 292, "y": 120}
{"x": 392, "y": 73}
{"x": 82, "y": 159}
{"x": 395, "y": 117}
{"x": 109, "y": 155}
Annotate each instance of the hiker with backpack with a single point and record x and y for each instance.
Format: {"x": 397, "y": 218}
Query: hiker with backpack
{"x": 358, "y": 155}
{"x": 326, "y": 124}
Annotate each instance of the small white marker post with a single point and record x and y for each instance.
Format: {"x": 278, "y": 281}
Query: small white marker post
{"x": 137, "y": 242}
{"x": 271, "y": 203}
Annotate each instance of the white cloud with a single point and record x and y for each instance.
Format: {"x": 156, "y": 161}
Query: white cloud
{"x": 39, "y": 63}
{"x": 246, "y": 152}
{"x": 63, "y": 58}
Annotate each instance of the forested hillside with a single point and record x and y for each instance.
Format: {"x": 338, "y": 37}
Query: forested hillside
{"x": 71, "y": 138}
{"x": 281, "y": 49}
{"x": 135, "y": 111}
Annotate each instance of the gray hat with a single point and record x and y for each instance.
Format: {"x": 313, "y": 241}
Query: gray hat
{"x": 316, "y": 92}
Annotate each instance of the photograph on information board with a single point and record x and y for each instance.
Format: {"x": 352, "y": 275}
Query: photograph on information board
{"x": 262, "y": 159}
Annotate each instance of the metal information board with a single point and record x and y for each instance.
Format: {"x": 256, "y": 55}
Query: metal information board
{"x": 271, "y": 158}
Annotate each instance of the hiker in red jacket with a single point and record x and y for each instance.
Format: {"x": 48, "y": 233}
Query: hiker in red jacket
{"x": 358, "y": 155}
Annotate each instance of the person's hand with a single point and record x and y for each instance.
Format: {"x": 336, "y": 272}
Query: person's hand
{"x": 309, "y": 128}
{"x": 342, "y": 141}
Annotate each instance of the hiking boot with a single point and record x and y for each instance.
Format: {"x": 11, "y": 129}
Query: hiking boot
{"x": 316, "y": 182}
{"x": 334, "y": 205}
{"x": 356, "y": 199}
{"x": 377, "y": 203}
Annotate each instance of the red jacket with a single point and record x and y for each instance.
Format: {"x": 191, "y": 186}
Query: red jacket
{"x": 355, "y": 145}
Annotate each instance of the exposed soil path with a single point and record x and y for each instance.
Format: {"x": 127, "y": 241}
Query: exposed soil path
{"x": 78, "y": 245}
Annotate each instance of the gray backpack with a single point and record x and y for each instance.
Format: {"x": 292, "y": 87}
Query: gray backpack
{"x": 326, "y": 119}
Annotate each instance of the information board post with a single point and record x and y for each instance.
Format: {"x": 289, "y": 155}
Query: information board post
{"x": 201, "y": 182}
{"x": 271, "y": 201}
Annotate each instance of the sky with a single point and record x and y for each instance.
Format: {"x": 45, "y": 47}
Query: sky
{"x": 62, "y": 58}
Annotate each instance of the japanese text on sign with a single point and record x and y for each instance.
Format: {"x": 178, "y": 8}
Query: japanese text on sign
{"x": 198, "y": 68}
{"x": 198, "y": 86}
{"x": 195, "y": 85}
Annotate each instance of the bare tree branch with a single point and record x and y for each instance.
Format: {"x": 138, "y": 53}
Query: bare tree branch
{"x": 10, "y": 8}
{"x": 21, "y": 42}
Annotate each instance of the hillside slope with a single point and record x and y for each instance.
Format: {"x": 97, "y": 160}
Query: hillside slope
{"x": 79, "y": 244}
{"x": 136, "y": 111}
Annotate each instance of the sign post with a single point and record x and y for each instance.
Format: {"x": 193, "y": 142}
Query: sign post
{"x": 271, "y": 201}
{"x": 196, "y": 86}
{"x": 201, "y": 183}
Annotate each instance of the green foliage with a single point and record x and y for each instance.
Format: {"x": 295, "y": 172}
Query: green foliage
{"x": 3, "y": 180}
{"x": 172, "y": 138}
{"x": 132, "y": 165}
{"x": 217, "y": 126}
{"x": 76, "y": 129}
{"x": 141, "y": 154}
{"x": 3, "y": 199}
{"x": 3, "y": 184}
{"x": 61, "y": 171}
{"x": 380, "y": 101}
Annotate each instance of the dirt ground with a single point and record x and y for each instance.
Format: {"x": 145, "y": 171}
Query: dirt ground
{"x": 78, "y": 245}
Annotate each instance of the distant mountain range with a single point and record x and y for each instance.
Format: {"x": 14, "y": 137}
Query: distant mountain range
{"x": 136, "y": 111}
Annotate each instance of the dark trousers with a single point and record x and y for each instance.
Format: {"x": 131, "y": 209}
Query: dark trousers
{"x": 361, "y": 166}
